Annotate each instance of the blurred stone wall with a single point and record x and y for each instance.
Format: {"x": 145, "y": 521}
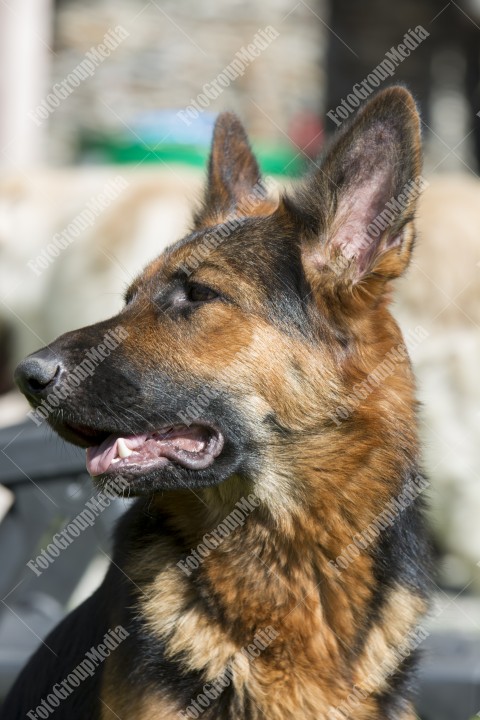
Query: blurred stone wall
{"x": 173, "y": 49}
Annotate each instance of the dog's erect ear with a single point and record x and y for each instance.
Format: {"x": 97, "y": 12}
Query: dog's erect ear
{"x": 234, "y": 185}
{"x": 358, "y": 208}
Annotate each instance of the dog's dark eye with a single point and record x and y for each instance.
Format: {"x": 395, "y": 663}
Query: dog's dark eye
{"x": 184, "y": 298}
{"x": 200, "y": 293}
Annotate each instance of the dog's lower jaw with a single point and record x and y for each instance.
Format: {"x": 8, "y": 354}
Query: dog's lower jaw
{"x": 293, "y": 637}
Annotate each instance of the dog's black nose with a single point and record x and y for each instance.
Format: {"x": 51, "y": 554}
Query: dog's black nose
{"x": 38, "y": 373}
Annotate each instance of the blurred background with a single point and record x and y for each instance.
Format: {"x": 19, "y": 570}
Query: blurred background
{"x": 106, "y": 112}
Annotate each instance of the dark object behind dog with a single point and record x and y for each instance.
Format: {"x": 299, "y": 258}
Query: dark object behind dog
{"x": 230, "y": 389}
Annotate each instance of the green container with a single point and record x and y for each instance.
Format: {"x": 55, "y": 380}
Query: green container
{"x": 274, "y": 160}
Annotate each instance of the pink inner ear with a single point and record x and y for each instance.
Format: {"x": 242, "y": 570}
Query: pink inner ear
{"x": 355, "y": 213}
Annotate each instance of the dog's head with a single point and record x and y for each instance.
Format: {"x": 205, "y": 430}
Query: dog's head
{"x": 238, "y": 347}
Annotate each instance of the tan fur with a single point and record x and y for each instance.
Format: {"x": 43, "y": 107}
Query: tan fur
{"x": 140, "y": 704}
{"x": 399, "y": 616}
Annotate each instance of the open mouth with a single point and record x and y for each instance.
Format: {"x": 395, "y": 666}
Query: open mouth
{"x": 194, "y": 447}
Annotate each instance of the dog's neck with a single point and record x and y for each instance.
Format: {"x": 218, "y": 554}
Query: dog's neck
{"x": 242, "y": 571}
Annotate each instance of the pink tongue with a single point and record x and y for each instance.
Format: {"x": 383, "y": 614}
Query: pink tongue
{"x": 189, "y": 446}
{"x": 99, "y": 457}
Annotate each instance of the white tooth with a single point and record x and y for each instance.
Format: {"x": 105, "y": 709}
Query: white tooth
{"x": 123, "y": 449}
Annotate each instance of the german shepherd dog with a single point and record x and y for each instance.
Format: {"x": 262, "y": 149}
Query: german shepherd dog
{"x": 244, "y": 583}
